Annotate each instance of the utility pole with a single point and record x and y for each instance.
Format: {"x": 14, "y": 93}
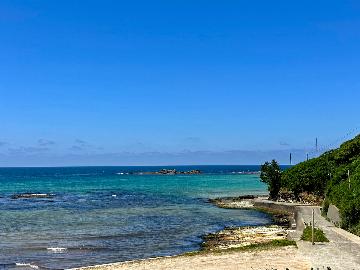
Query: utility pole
{"x": 290, "y": 158}
{"x": 312, "y": 227}
{"x": 316, "y": 144}
{"x": 307, "y": 156}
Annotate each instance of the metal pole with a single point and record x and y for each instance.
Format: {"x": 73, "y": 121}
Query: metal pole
{"x": 312, "y": 227}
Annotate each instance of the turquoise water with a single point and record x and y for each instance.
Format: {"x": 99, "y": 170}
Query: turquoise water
{"x": 108, "y": 214}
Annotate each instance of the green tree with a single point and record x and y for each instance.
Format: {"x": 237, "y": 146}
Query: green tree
{"x": 271, "y": 175}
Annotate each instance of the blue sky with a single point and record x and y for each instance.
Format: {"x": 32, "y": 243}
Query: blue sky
{"x": 175, "y": 82}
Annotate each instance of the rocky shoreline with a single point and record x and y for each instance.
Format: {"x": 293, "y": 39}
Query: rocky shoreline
{"x": 237, "y": 237}
{"x": 283, "y": 213}
{"x": 241, "y": 202}
{"x": 246, "y": 236}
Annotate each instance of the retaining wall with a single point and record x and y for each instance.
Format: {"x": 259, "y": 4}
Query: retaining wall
{"x": 333, "y": 215}
{"x": 296, "y": 220}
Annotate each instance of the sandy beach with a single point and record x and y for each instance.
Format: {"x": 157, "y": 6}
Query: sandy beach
{"x": 342, "y": 252}
{"x": 286, "y": 258}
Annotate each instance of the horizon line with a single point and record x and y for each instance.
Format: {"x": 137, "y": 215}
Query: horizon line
{"x": 177, "y": 165}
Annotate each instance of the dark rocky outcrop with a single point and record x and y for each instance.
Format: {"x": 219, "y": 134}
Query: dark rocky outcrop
{"x": 171, "y": 172}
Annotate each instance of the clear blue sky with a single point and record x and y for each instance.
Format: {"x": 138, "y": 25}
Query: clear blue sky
{"x": 175, "y": 82}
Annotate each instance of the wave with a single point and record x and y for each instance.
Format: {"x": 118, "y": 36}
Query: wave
{"x": 33, "y": 196}
{"x": 57, "y": 249}
{"x": 70, "y": 249}
{"x": 246, "y": 172}
{"x": 33, "y": 266}
{"x": 22, "y": 265}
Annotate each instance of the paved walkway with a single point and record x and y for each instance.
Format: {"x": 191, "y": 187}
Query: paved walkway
{"x": 342, "y": 252}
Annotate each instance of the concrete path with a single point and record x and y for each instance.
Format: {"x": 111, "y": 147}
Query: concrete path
{"x": 342, "y": 252}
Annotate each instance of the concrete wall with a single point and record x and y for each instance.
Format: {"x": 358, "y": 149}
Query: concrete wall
{"x": 276, "y": 206}
{"x": 295, "y": 220}
{"x": 333, "y": 215}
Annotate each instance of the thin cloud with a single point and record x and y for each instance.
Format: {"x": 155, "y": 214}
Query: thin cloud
{"x": 282, "y": 143}
{"x": 45, "y": 142}
{"x": 81, "y": 145}
{"x": 76, "y": 148}
{"x": 82, "y": 142}
{"x": 39, "y": 157}
{"x": 28, "y": 150}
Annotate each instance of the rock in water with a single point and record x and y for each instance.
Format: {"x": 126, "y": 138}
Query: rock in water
{"x": 170, "y": 172}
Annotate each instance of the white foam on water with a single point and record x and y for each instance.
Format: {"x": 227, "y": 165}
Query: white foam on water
{"x": 27, "y": 265}
{"x": 57, "y": 249}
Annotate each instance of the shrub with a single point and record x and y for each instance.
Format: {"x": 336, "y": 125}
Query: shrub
{"x": 271, "y": 175}
{"x": 325, "y": 207}
{"x": 319, "y": 235}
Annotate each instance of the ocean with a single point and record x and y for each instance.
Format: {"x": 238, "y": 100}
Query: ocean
{"x": 101, "y": 215}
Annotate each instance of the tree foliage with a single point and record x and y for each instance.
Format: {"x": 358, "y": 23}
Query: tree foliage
{"x": 327, "y": 176}
{"x": 271, "y": 175}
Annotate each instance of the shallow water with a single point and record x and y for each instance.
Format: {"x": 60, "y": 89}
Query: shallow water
{"x": 103, "y": 214}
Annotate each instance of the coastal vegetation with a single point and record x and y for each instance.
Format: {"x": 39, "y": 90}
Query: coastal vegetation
{"x": 333, "y": 177}
{"x": 319, "y": 235}
{"x": 271, "y": 175}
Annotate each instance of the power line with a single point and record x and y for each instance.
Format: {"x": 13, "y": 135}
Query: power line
{"x": 324, "y": 148}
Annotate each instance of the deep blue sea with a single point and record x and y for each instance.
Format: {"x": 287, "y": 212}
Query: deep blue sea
{"x": 107, "y": 214}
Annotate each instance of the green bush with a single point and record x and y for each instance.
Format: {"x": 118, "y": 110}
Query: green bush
{"x": 271, "y": 175}
{"x": 325, "y": 207}
{"x": 355, "y": 229}
{"x": 319, "y": 235}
